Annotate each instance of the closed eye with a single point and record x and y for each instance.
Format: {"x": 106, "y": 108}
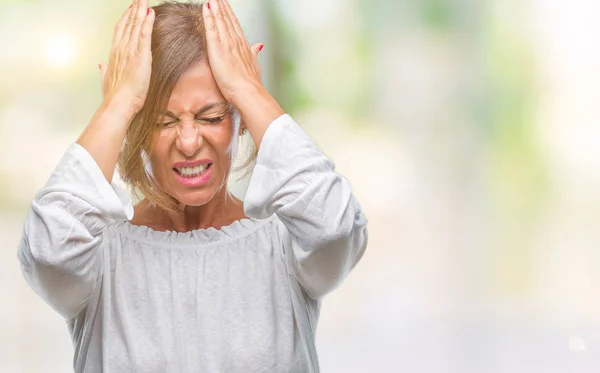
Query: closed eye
{"x": 169, "y": 124}
{"x": 214, "y": 120}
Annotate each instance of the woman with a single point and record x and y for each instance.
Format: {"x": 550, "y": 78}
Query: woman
{"x": 191, "y": 279}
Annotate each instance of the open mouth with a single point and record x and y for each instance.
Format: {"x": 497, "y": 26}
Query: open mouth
{"x": 193, "y": 172}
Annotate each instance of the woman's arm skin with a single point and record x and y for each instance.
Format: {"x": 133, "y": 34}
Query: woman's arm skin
{"x": 235, "y": 67}
{"x": 125, "y": 82}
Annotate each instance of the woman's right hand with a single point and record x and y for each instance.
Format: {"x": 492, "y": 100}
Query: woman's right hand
{"x": 126, "y": 78}
{"x": 125, "y": 82}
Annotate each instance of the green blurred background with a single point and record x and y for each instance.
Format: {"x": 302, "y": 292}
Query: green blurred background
{"x": 468, "y": 129}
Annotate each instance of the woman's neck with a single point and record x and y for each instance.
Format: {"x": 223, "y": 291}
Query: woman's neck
{"x": 221, "y": 211}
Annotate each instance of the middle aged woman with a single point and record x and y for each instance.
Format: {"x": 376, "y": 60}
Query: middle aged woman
{"x": 191, "y": 279}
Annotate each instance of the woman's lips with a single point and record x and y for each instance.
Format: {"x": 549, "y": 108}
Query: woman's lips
{"x": 197, "y": 180}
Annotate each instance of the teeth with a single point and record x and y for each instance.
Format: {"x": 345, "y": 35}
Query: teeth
{"x": 192, "y": 171}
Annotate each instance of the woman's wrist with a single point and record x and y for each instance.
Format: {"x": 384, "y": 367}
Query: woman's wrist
{"x": 120, "y": 107}
{"x": 104, "y": 135}
{"x": 258, "y": 109}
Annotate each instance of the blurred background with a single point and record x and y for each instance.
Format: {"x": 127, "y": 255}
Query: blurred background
{"x": 469, "y": 130}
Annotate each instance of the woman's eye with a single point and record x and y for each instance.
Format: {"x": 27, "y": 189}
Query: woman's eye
{"x": 168, "y": 124}
{"x": 214, "y": 120}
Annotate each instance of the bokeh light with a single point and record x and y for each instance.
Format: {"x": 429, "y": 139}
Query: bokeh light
{"x": 60, "y": 50}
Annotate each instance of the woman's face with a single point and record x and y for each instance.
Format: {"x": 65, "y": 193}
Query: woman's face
{"x": 191, "y": 160}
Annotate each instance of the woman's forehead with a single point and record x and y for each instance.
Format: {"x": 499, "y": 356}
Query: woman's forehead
{"x": 196, "y": 84}
{"x": 198, "y": 72}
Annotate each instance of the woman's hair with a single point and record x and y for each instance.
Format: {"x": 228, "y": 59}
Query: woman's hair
{"x": 178, "y": 41}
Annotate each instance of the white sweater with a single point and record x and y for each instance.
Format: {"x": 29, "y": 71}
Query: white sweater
{"x": 243, "y": 298}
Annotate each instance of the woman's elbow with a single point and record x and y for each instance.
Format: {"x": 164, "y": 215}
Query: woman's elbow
{"x": 326, "y": 269}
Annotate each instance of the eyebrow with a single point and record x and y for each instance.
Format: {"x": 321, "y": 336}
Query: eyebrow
{"x": 203, "y": 109}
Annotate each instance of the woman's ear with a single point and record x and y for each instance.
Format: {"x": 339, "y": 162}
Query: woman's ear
{"x": 243, "y": 129}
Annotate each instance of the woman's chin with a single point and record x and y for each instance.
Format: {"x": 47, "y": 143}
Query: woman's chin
{"x": 195, "y": 199}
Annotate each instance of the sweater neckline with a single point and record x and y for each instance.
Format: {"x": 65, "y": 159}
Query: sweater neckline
{"x": 236, "y": 229}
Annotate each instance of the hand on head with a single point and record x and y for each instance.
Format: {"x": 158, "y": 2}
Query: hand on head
{"x": 127, "y": 75}
{"x": 233, "y": 62}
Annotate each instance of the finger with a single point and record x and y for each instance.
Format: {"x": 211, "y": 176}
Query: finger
{"x": 129, "y": 24}
{"x": 212, "y": 34}
{"x": 141, "y": 13}
{"x": 227, "y": 14}
{"x": 256, "y": 48}
{"x": 102, "y": 68}
{"x": 220, "y": 20}
{"x": 145, "y": 38}
{"x": 120, "y": 28}
{"x": 233, "y": 22}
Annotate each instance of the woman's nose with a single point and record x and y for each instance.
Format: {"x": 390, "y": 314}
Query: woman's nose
{"x": 188, "y": 139}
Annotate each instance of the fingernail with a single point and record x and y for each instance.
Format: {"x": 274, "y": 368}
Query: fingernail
{"x": 99, "y": 67}
{"x": 130, "y": 6}
{"x": 208, "y": 5}
{"x": 148, "y": 11}
{"x": 261, "y": 47}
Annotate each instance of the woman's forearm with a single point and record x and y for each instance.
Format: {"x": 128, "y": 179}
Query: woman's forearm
{"x": 258, "y": 109}
{"x": 103, "y": 137}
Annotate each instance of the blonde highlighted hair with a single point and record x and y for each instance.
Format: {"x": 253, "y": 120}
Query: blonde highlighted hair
{"x": 178, "y": 41}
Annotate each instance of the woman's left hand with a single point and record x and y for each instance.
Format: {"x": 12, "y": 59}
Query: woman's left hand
{"x": 233, "y": 62}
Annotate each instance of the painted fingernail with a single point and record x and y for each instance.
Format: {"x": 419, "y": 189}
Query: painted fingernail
{"x": 148, "y": 11}
{"x": 261, "y": 47}
{"x": 99, "y": 67}
{"x": 208, "y": 5}
{"x": 130, "y": 6}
